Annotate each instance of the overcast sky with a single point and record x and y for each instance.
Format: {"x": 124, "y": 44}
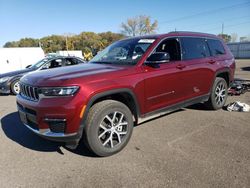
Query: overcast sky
{"x": 27, "y": 18}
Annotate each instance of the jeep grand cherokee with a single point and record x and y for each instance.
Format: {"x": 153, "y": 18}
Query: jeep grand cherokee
{"x": 130, "y": 81}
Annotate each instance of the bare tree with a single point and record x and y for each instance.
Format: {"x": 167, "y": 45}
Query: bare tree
{"x": 139, "y": 25}
{"x": 234, "y": 37}
{"x": 130, "y": 28}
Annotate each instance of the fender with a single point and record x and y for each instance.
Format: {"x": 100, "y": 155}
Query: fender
{"x": 12, "y": 80}
{"x": 103, "y": 94}
{"x": 224, "y": 70}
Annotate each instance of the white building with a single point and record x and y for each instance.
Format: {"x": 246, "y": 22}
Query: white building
{"x": 75, "y": 53}
{"x": 12, "y": 59}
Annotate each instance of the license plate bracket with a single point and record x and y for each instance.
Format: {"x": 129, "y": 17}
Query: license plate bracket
{"x": 23, "y": 117}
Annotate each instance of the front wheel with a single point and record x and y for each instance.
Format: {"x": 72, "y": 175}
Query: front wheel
{"x": 15, "y": 87}
{"x": 109, "y": 126}
{"x": 218, "y": 94}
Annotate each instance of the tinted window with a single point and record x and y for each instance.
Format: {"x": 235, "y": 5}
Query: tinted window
{"x": 216, "y": 47}
{"x": 193, "y": 48}
{"x": 53, "y": 64}
{"x": 70, "y": 61}
{"x": 172, "y": 47}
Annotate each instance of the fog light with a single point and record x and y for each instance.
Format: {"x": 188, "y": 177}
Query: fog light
{"x": 56, "y": 125}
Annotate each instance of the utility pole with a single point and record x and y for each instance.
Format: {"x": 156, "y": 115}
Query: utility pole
{"x": 67, "y": 43}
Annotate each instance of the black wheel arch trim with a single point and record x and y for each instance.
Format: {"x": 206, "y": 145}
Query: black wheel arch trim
{"x": 12, "y": 80}
{"x": 103, "y": 94}
{"x": 224, "y": 70}
{"x": 112, "y": 92}
{"x": 227, "y": 70}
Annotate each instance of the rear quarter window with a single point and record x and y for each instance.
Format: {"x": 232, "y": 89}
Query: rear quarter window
{"x": 216, "y": 47}
{"x": 194, "y": 48}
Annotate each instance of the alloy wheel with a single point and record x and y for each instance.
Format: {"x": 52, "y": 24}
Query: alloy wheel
{"x": 113, "y": 129}
{"x": 16, "y": 88}
{"x": 220, "y": 93}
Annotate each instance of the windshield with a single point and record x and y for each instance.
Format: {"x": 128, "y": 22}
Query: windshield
{"x": 123, "y": 52}
{"x": 39, "y": 63}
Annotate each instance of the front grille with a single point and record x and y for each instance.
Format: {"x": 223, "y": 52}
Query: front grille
{"x": 29, "y": 92}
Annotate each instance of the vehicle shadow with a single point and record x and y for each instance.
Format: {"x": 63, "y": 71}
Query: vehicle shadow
{"x": 198, "y": 106}
{"x": 3, "y": 94}
{"x": 16, "y": 131}
{"x": 245, "y": 68}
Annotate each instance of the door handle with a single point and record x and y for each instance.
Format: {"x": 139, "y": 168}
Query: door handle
{"x": 180, "y": 66}
{"x": 211, "y": 61}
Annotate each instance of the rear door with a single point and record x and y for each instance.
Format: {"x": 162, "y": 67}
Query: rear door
{"x": 196, "y": 66}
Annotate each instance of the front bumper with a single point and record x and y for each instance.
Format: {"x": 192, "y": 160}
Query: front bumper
{"x": 38, "y": 117}
{"x": 49, "y": 135}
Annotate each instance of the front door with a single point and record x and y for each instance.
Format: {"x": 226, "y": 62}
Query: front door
{"x": 163, "y": 82}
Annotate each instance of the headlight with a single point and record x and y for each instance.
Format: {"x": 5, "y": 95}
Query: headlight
{"x": 59, "y": 91}
{"x": 4, "y": 79}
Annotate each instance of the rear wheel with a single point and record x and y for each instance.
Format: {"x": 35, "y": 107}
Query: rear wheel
{"x": 109, "y": 126}
{"x": 15, "y": 87}
{"x": 218, "y": 94}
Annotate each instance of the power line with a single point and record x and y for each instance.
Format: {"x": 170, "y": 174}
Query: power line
{"x": 205, "y": 12}
{"x": 233, "y": 18}
{"x": 226, "y": 26}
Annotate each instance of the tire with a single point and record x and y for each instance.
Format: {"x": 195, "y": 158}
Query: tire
{"x": 218, "y": 94}
{"x": 15, "y": 87}
{"x": 109, "y": 126}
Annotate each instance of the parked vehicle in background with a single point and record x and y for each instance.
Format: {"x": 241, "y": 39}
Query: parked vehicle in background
{"x": 129, "y": 82}
{"x": 12, "y": 59}
{"x": 9, "y": 82}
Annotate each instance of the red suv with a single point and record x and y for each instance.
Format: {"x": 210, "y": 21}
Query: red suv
{"x": 130, "y": 81}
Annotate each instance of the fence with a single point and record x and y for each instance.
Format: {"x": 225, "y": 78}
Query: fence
{"x": 240, "y": 50}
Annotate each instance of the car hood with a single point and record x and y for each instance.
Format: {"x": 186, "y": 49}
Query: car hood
{"x": 70, "y": 75}
{"x": 15, "y": 73}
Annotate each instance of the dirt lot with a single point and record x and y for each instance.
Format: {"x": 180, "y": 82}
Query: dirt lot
{"x": 192, "y": 147}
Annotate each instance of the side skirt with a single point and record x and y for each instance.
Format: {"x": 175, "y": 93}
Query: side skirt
{"x": 172, "y": 108}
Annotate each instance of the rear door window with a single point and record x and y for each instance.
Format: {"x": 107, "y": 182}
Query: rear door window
{"x": 70, "y": 61}
{"x": 194, "y": 48}
{"x": 56, "y": 63}
{"x": 215, "y": 47}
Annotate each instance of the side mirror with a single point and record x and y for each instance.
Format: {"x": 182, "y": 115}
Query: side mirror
{"x": 28, "y": 66}
{"x": 158, "y": 57}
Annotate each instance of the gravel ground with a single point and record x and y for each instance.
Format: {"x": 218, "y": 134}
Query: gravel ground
{"x": 192, "y": 147}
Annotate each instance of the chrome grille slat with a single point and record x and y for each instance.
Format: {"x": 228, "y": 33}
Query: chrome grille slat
{"x": 29, "y": 92}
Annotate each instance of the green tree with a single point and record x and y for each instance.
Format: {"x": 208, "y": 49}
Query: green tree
{"x": 10, "y": 44}
{"x": 139, "y": 25}
{"x": 28, "y": 42}
{"x": 85, "y": 41}
{"x": 53, "y": 43}
{"x": 108, "y": 37}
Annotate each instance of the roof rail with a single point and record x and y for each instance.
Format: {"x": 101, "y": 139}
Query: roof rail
{"x": 190, "y": 32}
